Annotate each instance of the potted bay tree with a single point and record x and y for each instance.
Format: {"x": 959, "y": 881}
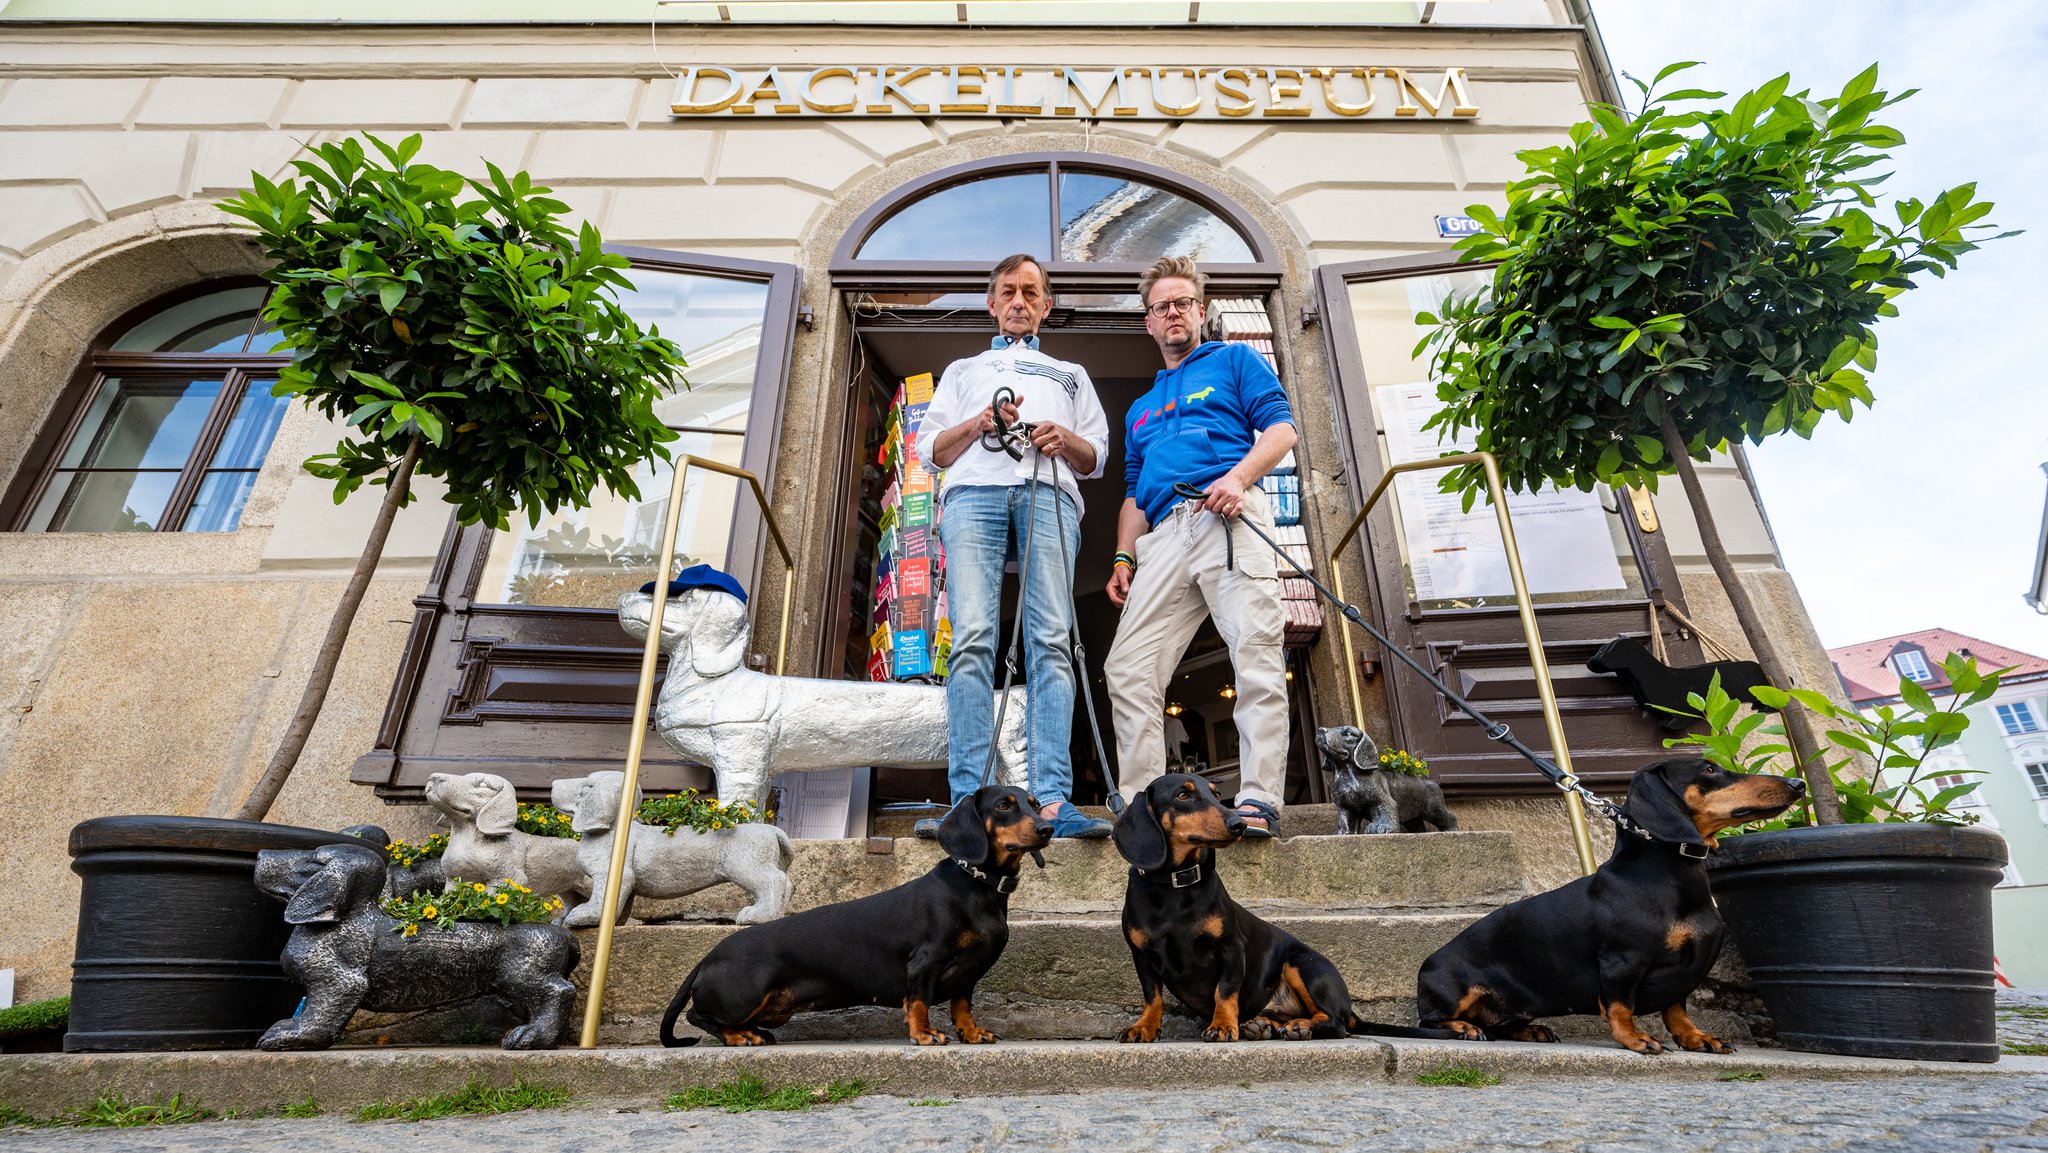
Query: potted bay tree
{"x": 1668, "y": 284}
{"x": 456, "y": 328}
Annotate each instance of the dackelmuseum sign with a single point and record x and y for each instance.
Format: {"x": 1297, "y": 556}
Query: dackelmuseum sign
{"x": 1088, "y": 92}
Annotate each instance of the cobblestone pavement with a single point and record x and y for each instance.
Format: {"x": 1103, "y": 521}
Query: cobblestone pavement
{"x": 1935, "y": 1114}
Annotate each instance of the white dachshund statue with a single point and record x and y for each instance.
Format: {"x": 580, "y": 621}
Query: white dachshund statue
{"x": 755, "y": 856}
{"x": 749, "y": 726}
{"x": 484, "y": 841}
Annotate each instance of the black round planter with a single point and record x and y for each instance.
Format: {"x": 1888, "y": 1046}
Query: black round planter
{"x": 1868, "y": 940}
{"x": 177, "y": 947}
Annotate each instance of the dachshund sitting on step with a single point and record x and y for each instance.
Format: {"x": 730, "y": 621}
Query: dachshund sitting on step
{"x": 1250, "y": 978}
{"x": 1637, "y": 936}
{"x": 924, "y": 943}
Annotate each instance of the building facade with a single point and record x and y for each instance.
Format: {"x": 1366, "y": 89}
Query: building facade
{"x": 812, "y": 207}
{"x": 2005, "y": 751}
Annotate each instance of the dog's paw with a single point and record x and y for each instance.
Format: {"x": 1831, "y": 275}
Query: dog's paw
{"x": 1220, "y": 1033}
{"x": 1646, "y": 1045}
{"x": 1532, "y": 1031}
{"x": 1258, "y": 1029}
{"x": 1705, "y": 1043}
{"x": 1299, "y": 1029}
{"x": 1466, "y": 1031}
{"x": 1138, "y": 1034}
{"x": 933, "y": 1038}
{"x": 978, "y": 1036}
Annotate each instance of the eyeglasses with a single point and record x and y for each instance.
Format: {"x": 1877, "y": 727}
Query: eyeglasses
{"x": 1187, "y": 304}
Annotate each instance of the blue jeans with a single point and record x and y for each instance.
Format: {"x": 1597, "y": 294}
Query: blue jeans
{"x": 982, "y": 526}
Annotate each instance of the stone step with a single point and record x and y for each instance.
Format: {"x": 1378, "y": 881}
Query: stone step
{"x": 1443, "y": 872}
{"x": 348, "y": 1078}
{"x": 1060, "y": 979}
{"x": 1295, "y": 820}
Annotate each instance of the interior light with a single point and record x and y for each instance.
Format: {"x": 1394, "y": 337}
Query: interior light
{"x": 1229, "y": 691}
{"x": 1174, "y": 709}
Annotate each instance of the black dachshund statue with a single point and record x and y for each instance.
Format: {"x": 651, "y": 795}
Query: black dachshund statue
{"x": 348, "y": 954}
{"x": 1372, "y": 800}
{"x": 1658, "y": 687}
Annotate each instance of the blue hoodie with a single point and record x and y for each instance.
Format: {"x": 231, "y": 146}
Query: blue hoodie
{"x": 1198, "y": 421}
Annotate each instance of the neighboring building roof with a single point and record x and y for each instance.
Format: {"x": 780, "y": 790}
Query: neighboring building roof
{"x": 2039, "y": 596}
{"x": 1867, "y": 675}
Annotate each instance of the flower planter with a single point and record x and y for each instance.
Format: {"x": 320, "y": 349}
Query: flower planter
{"x": 1868, "y": 940}
{"x": 177, "y": 948}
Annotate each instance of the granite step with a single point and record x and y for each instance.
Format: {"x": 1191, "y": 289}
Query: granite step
{"x": 1442, "y": 872}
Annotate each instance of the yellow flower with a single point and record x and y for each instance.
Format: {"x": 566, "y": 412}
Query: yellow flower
{"x": 430, "y": 912}
{"x": 562, "y": 818}
{"x": 412, "y": 929}
{"x": 504, "y": 897}
{"x": 717, "y": 825}
{"x": 478, "y": 886}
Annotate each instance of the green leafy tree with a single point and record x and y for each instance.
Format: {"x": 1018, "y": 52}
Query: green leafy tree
{"x": 1676, "y": 282}
{"x": 473, "y": 338}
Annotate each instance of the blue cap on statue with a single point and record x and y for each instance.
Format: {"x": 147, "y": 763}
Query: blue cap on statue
{"x": 701, "y": 576}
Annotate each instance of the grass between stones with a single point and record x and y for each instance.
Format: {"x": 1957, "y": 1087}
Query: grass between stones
{"x": 747, "y": 1094}
{"x": 1746, "y": 1075}
{"x": 113, "y": 1111}
{"x": 2026, "y": 1049}
{"x": 1459, "y": 1076}
{"x": 476, "y": 1098}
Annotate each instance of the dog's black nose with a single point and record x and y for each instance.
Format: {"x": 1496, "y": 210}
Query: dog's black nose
{"x": 1234, "y": 824}
{"x": 1797, "y": 786}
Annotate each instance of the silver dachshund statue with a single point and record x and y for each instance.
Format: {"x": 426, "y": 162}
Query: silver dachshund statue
{"x": 661, "y": 864}
{"x": 348, "y": 954}
{"x": 749, "y": 726}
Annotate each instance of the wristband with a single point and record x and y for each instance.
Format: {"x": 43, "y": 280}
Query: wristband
{"x": 1127, "y": 560}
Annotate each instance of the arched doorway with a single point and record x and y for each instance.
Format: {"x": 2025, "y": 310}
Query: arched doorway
{"x": 912, "y": 271}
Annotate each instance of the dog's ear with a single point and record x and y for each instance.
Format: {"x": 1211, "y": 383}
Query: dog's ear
{"x": 1365, "y": 754}
{"x": 718, "y": 635}
{"x": 1656, "y": 805}
{"x": 597, "y": 802}
{"x": 962, "y": 834}
{"x": 1138, "y": 835}
{"x": 499, "y": 814}
{"x": 335, "y": 886}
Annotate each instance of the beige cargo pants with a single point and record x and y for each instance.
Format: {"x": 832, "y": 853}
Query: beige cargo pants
{"x": 1181, "y": 577}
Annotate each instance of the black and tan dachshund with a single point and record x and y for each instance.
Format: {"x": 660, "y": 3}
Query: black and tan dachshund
{"x": 921, "y": 944}
{"x": 1636, "y": 937}
{"x": 1253, "y": 980}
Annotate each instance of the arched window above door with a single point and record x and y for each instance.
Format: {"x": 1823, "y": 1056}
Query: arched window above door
{"x": 1088, "y": 218}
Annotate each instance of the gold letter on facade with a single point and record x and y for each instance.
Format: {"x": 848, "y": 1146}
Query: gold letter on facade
{"x": 1159, "y": 96}
{"x": 810, "y": 90}
{"x": 1454, "y": 83}
{"x": 770, "y": 88}
{"x": 1225, "y": 91}
{"x": 1070, "y": 83}
{"x": 1007, "y": 105}
{"x": 1288, "y": 89}
{"x": 1328, "y": 77}
{"x": 686, "y": 85}
{"x": 892, "y": 78}
{"x": 960, "y": 89}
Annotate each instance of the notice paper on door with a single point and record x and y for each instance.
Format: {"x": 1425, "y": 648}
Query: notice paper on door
{"x": 1456, "y": 555}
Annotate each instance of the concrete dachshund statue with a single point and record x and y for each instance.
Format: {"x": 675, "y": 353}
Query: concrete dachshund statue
{"x": 485, "y": 844}
{"x": 347, "y": 953}
{"x": 1373, "y": 800}
{"x": 749, "y": 726}
{"x": 754, "y": 855}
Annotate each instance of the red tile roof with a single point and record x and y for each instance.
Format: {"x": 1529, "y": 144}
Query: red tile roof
{"x": 1866, "y": 675}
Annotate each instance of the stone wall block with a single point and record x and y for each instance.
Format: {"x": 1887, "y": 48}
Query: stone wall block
{"x": 123, "y": 171}
{"x": 887, "y": 137}
{"x": 212, "y": 102}
{"x": 1489, "y": 157}
{"x": 34, "y": 215}
{"x": 1554, "y": 105}
{"x": 620, "y": 155}
{"x": 541, "y": 102}
{"x": 227, "y": 158}
{"x": 802, "y": 156}
{"x": 377, "y": 105}
{"x": 1214, "y": 140}
{"x": 1289, "y": 162}
{"x": 720, "y": 214}
{"x": 33, "y": 102}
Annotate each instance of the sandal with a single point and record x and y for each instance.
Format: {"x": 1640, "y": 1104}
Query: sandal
{"x": 1259, "y": 811}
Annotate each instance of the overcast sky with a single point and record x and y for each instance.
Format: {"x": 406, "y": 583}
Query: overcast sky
{"x": 1926, "y": 510}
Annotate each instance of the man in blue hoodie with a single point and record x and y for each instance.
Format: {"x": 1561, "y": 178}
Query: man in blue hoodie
{"x": 1216, "y": 418}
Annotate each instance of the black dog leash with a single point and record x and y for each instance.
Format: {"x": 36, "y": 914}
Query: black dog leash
{"x": 1011, "y": 438}
{"x": 1494, "y": 730}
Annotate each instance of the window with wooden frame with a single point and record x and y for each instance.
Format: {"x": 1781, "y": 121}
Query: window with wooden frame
{"x": 167, "y": 422}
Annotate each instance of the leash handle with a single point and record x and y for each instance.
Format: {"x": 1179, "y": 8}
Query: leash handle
{"x": 1006, "y": 435}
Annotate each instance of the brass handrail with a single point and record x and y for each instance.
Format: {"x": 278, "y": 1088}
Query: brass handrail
{"x": 643, "y": 700}
{"x": 1582, "y": 839}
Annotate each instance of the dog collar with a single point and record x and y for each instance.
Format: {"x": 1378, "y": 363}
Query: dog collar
{"x": 1695, "y": 852}
{"x": 1181, "y": 879}
{"x": 1001, "y": 883}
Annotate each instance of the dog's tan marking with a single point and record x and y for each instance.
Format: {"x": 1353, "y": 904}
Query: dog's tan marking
{"x": 1304, "y": 1005}
{"x": 1530, "y": 1031}
{"x": 1146, "y": 1027}
{"x": 741, "y": 1037}
{"x": 918, "y": 1016}
{"x": 1471, "y": 1001}
{"x": 1223, "y": 1021}
{"x": 966, "y": 939}
{"x": 1621, "y": 1025}
{"x": 1136, "y": 937}
{"x": 1691, "y": 1037}
{"x": 1212, "y": 925}
{"x": 963, "y": 1024}
{"x": 1465, "y": 1029}
{"x": 1679, "y": 935}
